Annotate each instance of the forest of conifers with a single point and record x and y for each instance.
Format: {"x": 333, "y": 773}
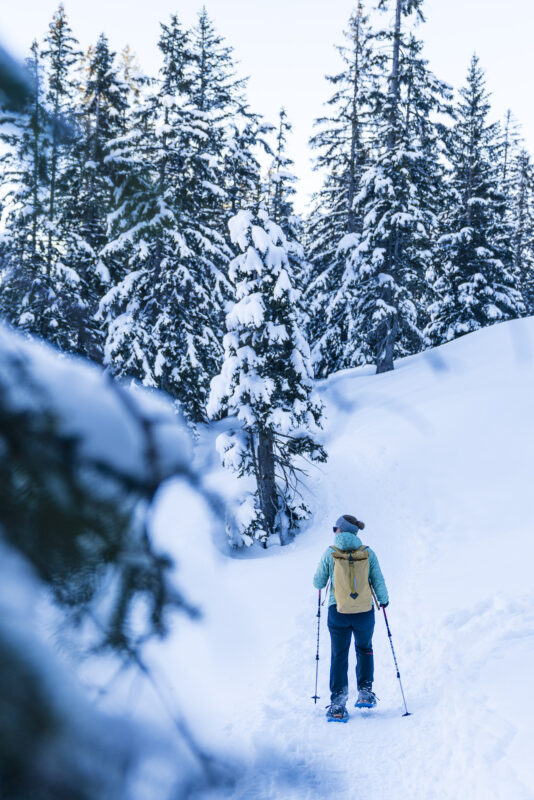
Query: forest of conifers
{"x": 148, "y": 224}
{"x": 118, "y": 189}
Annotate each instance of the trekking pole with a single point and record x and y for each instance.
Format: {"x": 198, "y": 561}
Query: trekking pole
{"x": 408, "y": 713}
{"x": 316, "y": 696}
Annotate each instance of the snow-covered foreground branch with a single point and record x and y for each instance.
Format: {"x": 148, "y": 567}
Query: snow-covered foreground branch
{"x": 81, "y": 459}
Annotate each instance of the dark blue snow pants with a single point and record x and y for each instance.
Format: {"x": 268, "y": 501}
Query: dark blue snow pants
{"x": 341, "y": 627}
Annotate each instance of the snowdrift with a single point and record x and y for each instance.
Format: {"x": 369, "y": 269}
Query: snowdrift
{"x": 437, "y": 458}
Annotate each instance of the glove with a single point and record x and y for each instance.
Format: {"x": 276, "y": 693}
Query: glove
{"x": 384, "y": 605}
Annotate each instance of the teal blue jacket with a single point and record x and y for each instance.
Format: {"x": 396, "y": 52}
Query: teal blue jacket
{"x": 325, "y": 570}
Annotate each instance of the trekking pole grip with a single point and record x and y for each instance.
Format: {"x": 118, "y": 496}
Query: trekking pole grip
{"x": 386, "y": 620}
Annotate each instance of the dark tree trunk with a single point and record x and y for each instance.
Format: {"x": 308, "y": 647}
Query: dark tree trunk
{"x": 386, "y": 337}
{"x": 266, "y": 481}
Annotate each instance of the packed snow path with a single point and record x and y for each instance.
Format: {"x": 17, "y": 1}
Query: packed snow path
{"x": 437, "y": 458}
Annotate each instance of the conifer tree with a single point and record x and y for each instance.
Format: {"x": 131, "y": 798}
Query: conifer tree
{"x": 163, "y": 317}
{"x": 42, "y": 290}
{"x": 399, "y": 202}
{"x": 232, "y": 134}
{"x": 60, "y": 57}
{"x": 245, "y": 138}
{"x": 279, "y": 192}
{"x": 508, "y": 147}
{"x": 26, "y": 142}
{"x": 476, "y": 285}
{"x": 513, "y": 181}
{"x": 343, "y": 146}
{"x": 266, "y": 381}
{"x": 280, "y": 179}
{"x": 214, "y": 86}
{"x": 87, "y": 188}
{"x": 522, "y": 221}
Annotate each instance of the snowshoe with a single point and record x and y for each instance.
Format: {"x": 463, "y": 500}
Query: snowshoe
{"x": 337, "y": 714}
{"x": 366, "y": 699}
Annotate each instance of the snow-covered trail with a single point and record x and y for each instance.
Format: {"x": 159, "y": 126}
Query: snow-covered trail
{"x": 437, "y": 458}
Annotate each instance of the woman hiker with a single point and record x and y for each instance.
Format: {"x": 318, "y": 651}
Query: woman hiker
{"x": 350, "y": 610}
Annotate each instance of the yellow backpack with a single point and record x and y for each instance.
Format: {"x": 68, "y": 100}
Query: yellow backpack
{"x": 351, "y": 580}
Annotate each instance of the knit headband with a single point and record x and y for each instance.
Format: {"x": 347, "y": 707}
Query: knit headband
{"x": 346, "y": 526}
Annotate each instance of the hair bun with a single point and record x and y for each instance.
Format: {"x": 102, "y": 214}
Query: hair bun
{"x": 354, "y": 521}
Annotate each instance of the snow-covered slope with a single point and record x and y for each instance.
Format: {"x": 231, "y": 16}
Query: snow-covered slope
{"x": 437, "y": 458}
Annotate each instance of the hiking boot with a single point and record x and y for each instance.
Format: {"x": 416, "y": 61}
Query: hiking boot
{"x": 366, "y": 699}
{"x": 337, "y": 713}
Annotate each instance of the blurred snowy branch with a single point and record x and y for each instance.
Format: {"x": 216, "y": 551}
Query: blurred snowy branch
{"x": 81, "y": 459}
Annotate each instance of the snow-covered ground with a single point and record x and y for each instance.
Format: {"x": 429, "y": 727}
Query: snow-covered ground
{"x": 438, "y": 459}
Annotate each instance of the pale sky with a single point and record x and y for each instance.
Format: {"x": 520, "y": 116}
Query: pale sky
{"x": 287, "y": 46}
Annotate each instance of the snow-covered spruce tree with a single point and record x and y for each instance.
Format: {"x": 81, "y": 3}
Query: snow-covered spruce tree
{"x": 45, "y": 286}
{"x": 63, "y": 190}
{"x": 281, "y": 180}
{"x": 86, "y": 189}
{"x": 342, "y": 143}
{"x": 266, "y": 381}
{"x": 163, "y": 318}
{"x": 214, "y": 83}
{"x": 508, "y": 148}
{"x": 23, "y": 167}
{"x": 234, "y": 134}
{"x": 61, "y": 58}
{"x": 217, "y": 95}
{"x": 216, "y": 98}
{"x": 278, "y": 194}
{"x": 245, "y": 136}
{"x": 515, "y": 185}
{"x": 476, "y": 284}
{"x": 399, "y": 201}
{"x": 522, "y": 222}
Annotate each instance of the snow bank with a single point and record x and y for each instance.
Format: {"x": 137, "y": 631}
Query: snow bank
{"x": 437, "y": 458}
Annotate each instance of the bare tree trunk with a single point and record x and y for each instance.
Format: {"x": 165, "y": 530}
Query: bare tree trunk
{"x": 266, "y": 481}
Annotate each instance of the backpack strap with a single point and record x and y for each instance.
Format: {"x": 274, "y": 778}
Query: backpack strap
{"x": 352, "y": 576}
